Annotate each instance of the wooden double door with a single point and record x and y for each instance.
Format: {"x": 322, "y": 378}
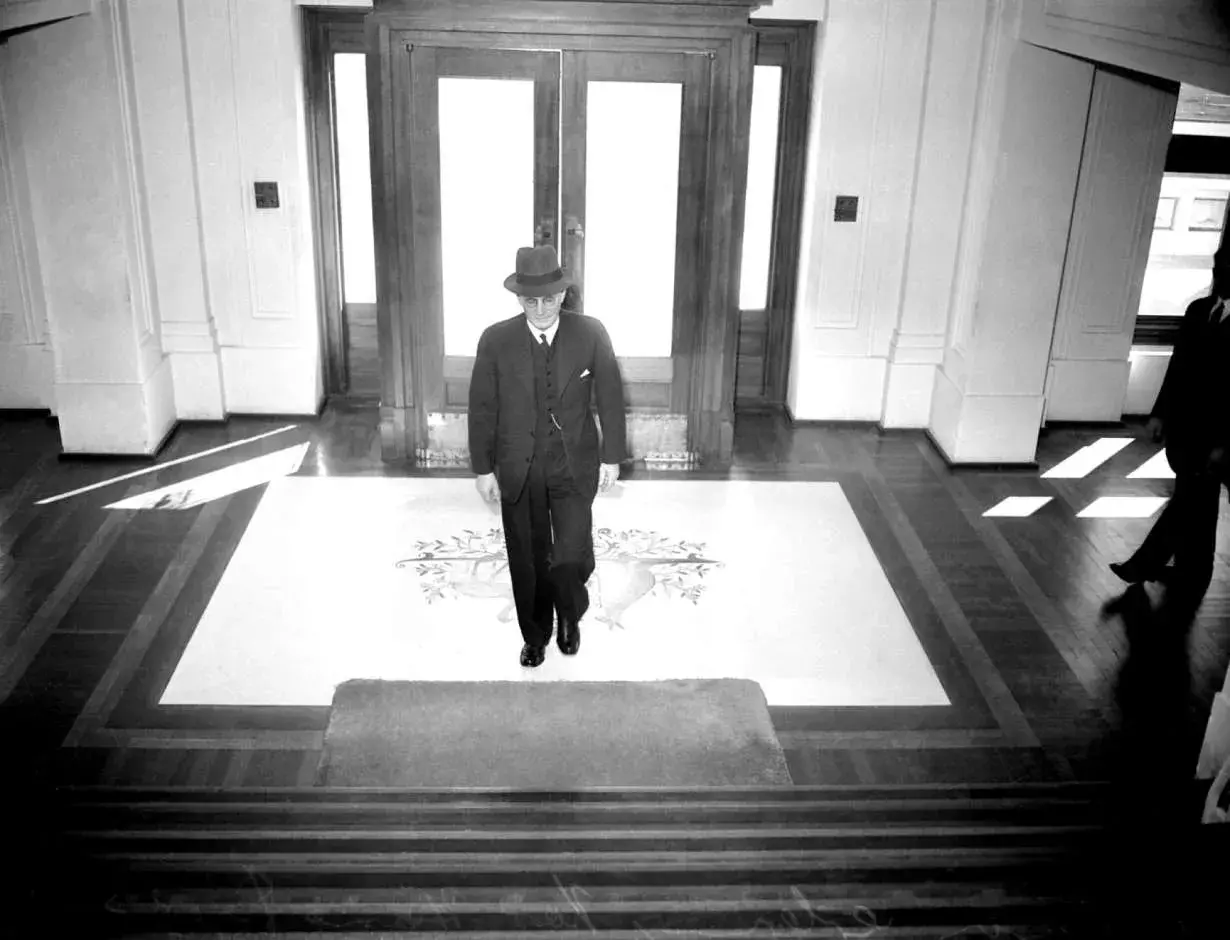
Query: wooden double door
{"x": 620, "y": 152}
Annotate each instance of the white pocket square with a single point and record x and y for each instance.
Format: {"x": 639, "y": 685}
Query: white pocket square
{"x": 584, "y": 374}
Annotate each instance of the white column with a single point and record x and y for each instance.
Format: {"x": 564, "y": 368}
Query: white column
{"x": 959, "y": 30}
{"x": 169, "y": 175}
{"x": 75, "y": 113}
{"x": 1128, "y": 132}
{"x": 26, "y": 363}
{"x": 1030, "y": 128}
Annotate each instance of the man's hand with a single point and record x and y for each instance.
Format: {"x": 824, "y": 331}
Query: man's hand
{"x": 608, "y": 473}
{"x": 1156, "y": 429}
{"x": 487, "y": 486}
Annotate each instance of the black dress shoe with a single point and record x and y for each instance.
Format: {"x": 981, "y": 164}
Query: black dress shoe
{"x": 1133, "y": 573}
{"x": 532, "y": 655}
{"x": 568, "y": 636}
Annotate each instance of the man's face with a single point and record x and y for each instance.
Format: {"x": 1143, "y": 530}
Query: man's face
{"x": 542, "y": 312}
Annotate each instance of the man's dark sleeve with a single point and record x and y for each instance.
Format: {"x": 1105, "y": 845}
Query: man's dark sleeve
{"x": 609, "y": 388}
{"x": 1164, "y": 402}
{"x": 484, "y": 407}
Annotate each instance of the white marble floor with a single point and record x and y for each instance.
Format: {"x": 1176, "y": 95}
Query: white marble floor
{"x": 361, "y": 577}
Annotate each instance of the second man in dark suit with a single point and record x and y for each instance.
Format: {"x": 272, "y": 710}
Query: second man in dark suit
{"x": 535, "y": 447}
{"x": 1192, "y": 416}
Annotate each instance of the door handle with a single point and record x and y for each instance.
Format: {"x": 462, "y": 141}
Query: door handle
{"x": 574, "y": 248}
{"x": 542, "y": 232}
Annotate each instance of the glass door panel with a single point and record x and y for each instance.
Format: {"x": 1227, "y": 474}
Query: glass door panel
{"x": 486, "y": 200}
{"x": 631, "y": 205}
{"x": 484, "y": 181}
{"x": 635, "y": 145}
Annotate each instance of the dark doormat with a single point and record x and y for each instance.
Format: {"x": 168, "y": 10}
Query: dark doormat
{"x": 551, "y": 735}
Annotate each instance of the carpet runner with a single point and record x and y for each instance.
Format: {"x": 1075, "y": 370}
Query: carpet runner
{"x": 551, "y": 735}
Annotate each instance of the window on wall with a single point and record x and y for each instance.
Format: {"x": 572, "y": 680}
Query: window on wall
{"x": 1190, "y": 221}
{"x": 1187, "y": 229}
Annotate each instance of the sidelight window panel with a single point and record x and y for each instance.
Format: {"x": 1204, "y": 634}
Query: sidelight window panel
{"x": 761, "y": 181}
{"x": 354, "y": 178}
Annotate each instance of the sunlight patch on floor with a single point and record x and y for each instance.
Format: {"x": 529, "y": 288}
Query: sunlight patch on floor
{"x": 1018, "y": 507}
{"x": 1122, "y": 507}
{"x": 1087, "y": 459}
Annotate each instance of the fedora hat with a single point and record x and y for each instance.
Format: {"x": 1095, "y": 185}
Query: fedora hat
{"x": 538, "y": 273}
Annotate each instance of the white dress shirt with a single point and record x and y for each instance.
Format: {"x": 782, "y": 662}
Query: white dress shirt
{"x": 549, "y": 331}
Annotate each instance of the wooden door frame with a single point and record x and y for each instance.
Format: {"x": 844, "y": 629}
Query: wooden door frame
{"x": 789, "y": 44}
{"x": 327, "y": 33}
{"x": 717, "y": 28}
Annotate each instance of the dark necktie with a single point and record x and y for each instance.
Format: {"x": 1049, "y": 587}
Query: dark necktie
{"x": 542, "y": 340}
{"x": 1216, "y": 314}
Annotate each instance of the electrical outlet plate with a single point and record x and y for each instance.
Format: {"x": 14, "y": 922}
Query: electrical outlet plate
{"x": 266, "y": 195}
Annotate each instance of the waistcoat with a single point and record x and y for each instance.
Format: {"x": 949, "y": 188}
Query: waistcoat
{"x": 548, "y": 441}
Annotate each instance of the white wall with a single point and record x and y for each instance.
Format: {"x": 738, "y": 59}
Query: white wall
{"x": 187, "y": 286}
{"x": 865, "y": 126}
{"x": 937, "y": 307}
{"x": 246, "y": 81}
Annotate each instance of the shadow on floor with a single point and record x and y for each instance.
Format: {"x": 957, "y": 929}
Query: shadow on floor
{"x": 1159, "y": 868}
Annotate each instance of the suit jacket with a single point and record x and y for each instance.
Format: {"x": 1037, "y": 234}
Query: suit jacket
{"x": 503, "y": 406}
{"x": 1193, "y": 402}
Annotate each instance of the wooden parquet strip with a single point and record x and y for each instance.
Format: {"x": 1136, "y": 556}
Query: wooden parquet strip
{"x": 1082, "y": 657}
{"x": 142, "y": 633}
{"x": 25, "y": 646}
{"x": 1007, "y": 711}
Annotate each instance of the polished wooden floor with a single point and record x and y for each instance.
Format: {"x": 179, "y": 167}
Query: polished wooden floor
{"x": 1056, "y": 677}
{"x": 97, "y": 605}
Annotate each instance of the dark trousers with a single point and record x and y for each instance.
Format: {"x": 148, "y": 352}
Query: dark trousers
{"x": 548, "y": 532}
{"x": 1185, "y": 531}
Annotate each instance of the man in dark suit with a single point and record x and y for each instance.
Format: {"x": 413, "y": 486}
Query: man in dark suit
{"x": 535, "y": 447}
{"x": 1192, "y": 416}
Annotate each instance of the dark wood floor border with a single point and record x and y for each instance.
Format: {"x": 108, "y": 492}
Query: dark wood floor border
{"x": 968, "y": 707}
{"x": 138, "y": 706}
{"x": 21, "y": 652}
{"x": 999, "y": 698}
{"x": 1077, "y": 655}
{"x": 19, "y": 492}
{"x": 153, "y": 614}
